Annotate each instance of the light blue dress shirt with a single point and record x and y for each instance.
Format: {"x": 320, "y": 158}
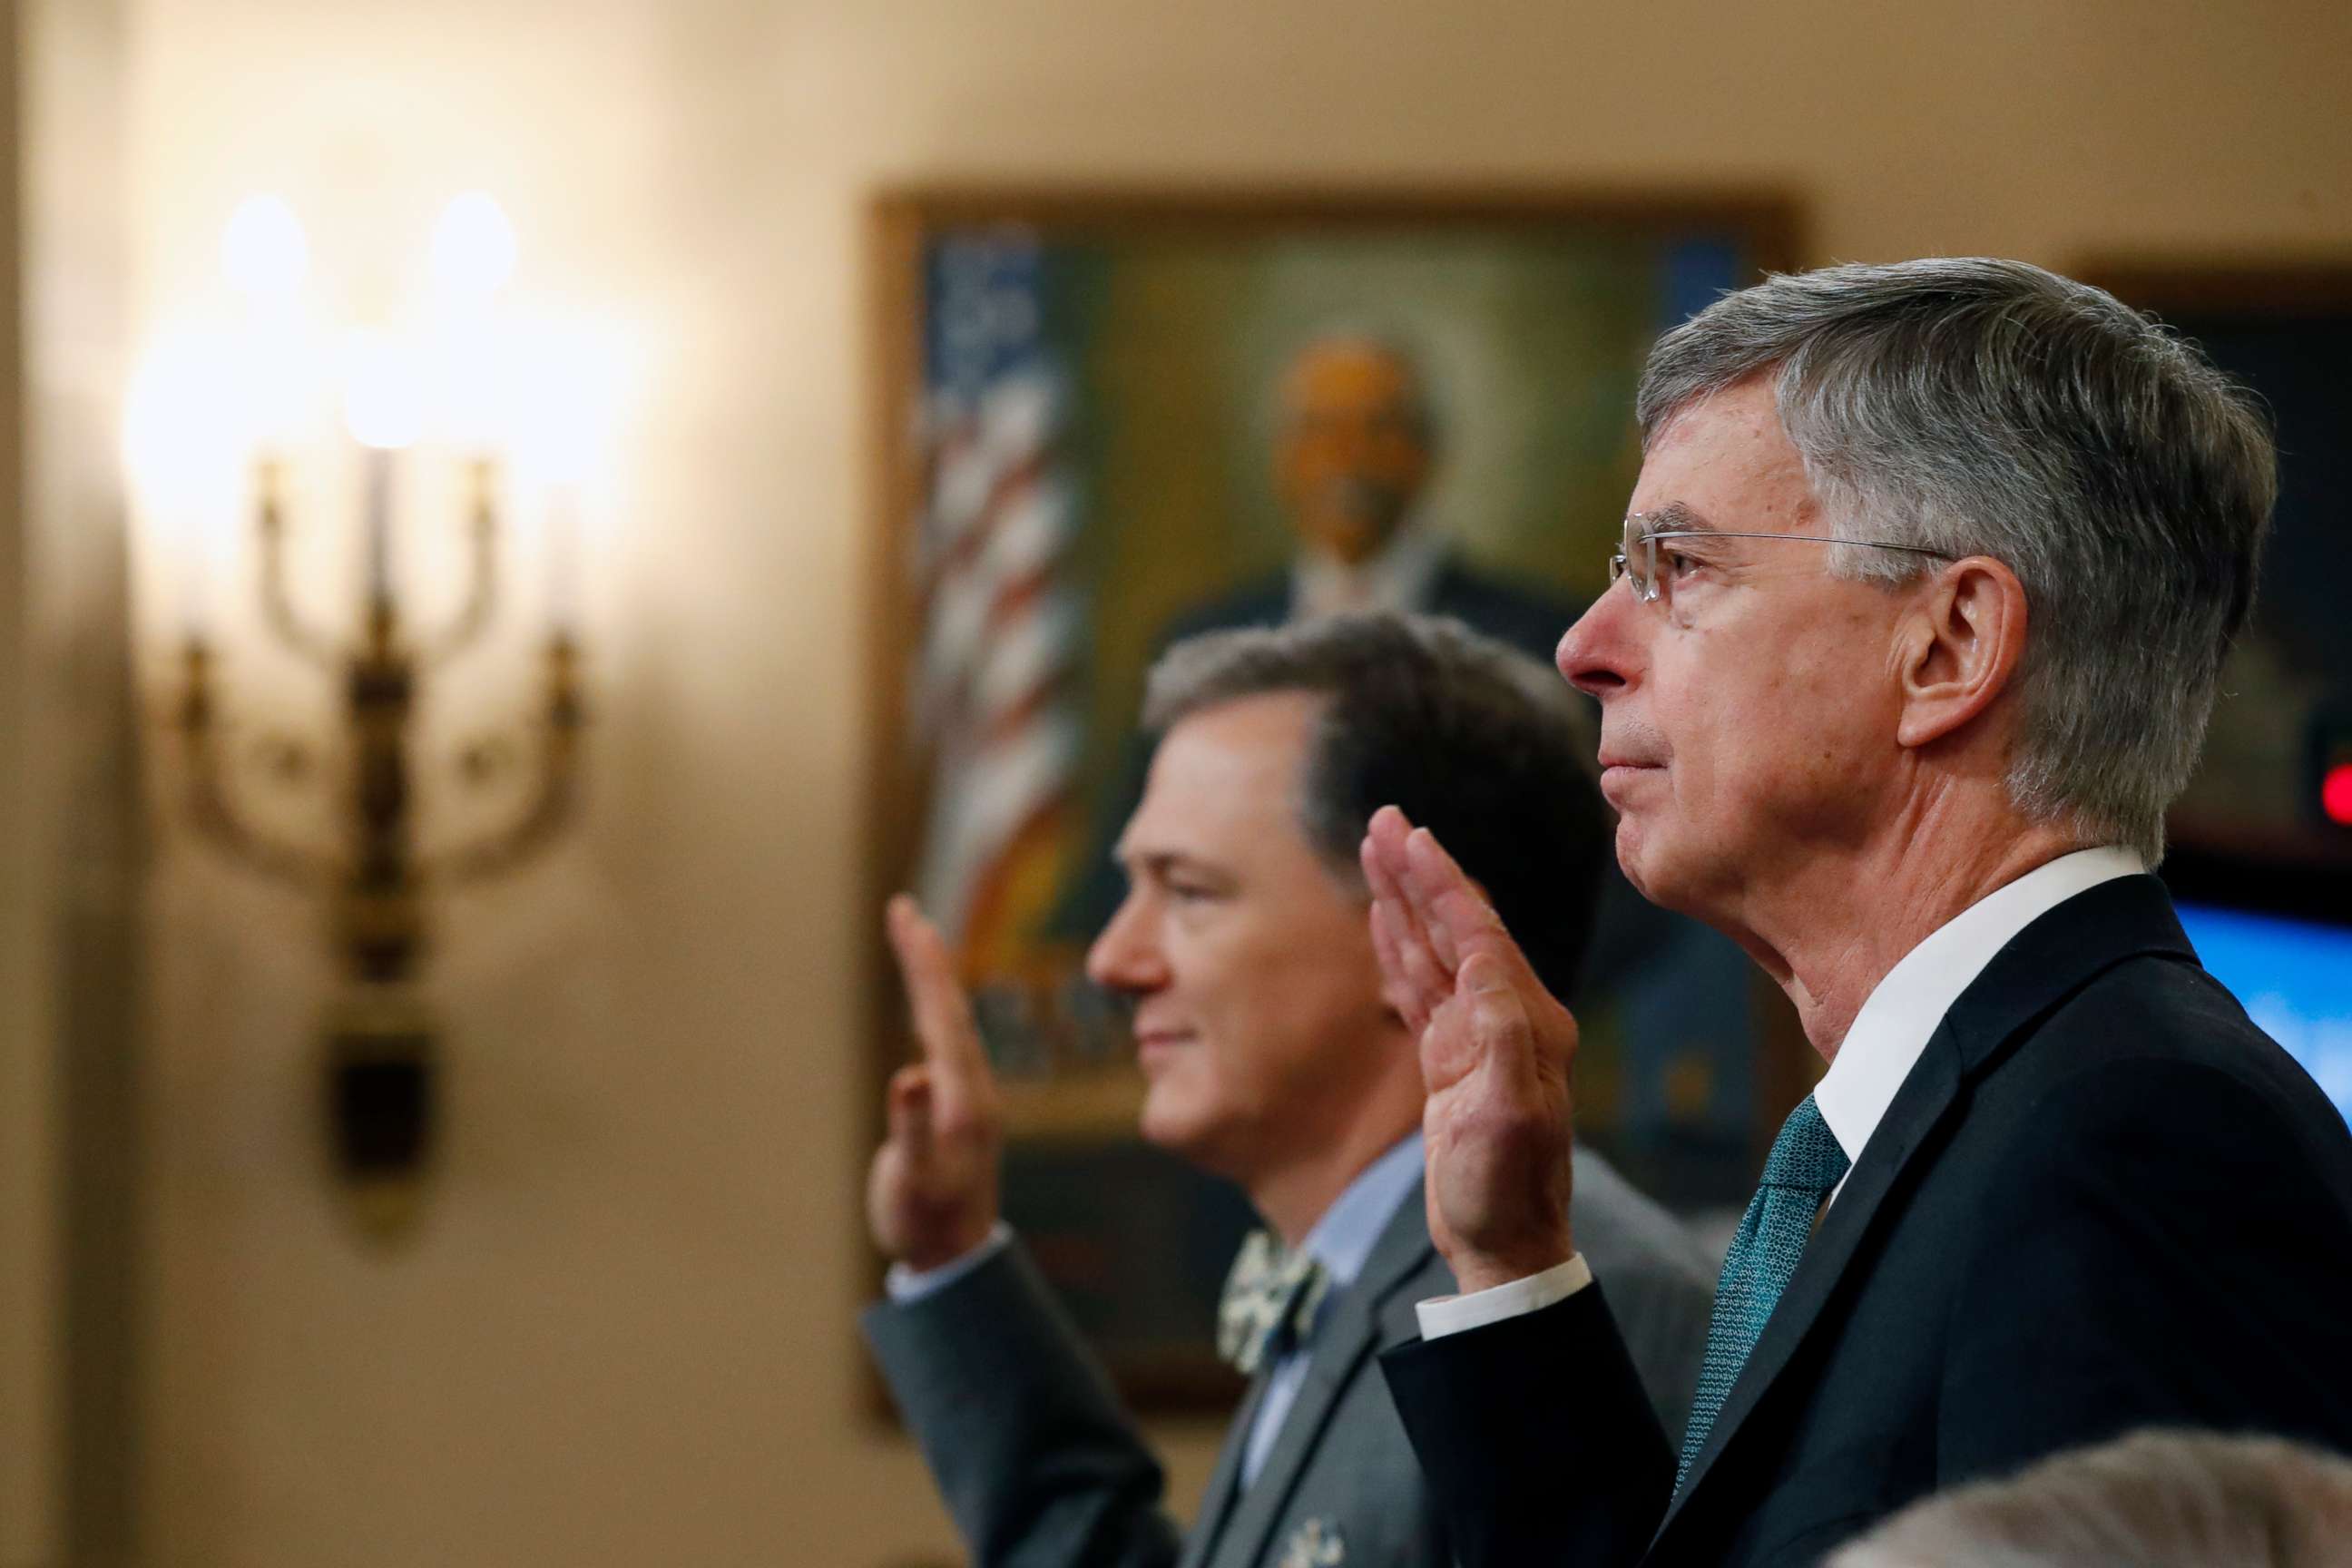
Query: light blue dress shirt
{"x": 1342, "y": 1241}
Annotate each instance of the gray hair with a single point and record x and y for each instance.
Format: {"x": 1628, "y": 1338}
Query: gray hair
{"x": 1974, "y": 406}
{"x": 1471, "y": 738}
{"x": 2153, "y": 1499}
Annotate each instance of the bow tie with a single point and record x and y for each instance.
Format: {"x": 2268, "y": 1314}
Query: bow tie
{"x": 1269, "y": 1303}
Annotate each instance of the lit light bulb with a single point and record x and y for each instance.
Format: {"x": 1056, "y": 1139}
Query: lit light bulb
{"x": 181, "y": 429}
{"x": 263, "y": 250}
{"x": 566, "y": 386}
{"x": 383, "y": 391}
{"x": 181, "y": 443}
{"x": 473, "y": 246}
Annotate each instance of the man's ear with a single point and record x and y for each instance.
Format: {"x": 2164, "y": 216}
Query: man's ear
{"x": 1960, "y": 647}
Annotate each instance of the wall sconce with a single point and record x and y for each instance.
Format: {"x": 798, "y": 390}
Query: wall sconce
{"x": 380, "y": 1062}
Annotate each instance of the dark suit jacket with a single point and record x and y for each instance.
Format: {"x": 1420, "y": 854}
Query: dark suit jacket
{"x": 2103, "y": 1199}
{"x": 1041, "y": 1468}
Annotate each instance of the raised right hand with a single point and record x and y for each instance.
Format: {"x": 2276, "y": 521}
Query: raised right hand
{"x": 931, "y": 1196}
{"x": 1496, "y": 1048}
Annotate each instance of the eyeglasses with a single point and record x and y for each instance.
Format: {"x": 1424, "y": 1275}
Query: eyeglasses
{"x": 1637, "y": 556}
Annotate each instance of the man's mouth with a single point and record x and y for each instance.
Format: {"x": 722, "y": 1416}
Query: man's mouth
{"x": 1159, "y": 1041}
{"x": 1617, "y": 774}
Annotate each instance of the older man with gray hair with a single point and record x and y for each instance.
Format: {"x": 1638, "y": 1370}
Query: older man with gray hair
{"x": 1922, "y": 599}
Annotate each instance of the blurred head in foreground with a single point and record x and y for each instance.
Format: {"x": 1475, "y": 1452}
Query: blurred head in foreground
{"x": 2155, "y": 1499}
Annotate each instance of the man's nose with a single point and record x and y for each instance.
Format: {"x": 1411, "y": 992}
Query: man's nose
{"x": 1124, "y": 957}
{"x": 1600, "y": 653}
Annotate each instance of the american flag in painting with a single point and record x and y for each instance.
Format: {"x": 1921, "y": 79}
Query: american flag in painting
{"x": 995, "y": 705}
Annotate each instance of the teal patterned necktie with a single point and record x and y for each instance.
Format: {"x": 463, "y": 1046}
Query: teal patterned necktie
{"x": 1269, "y": 1303}
{"x": 1804, "y": 1167}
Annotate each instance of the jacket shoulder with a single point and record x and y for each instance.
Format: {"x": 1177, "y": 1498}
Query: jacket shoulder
{"x": 2160, "y": 1033}
{"x": 2148, "y": 1174}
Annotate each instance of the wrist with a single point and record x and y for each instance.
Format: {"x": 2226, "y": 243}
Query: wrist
{"x": 947, "y": 1244}
{"x": 907, "y": 1285}
{"x": 1476, "y": 1271}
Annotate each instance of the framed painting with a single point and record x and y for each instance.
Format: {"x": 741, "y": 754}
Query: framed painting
{"x": 1105, "y": 419}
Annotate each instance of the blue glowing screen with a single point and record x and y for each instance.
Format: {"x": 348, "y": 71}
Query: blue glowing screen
{"x": 2296, "y": 980}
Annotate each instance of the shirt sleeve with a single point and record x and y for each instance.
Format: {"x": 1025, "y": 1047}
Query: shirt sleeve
{"x": 905, "y": 1286}
{"x": 1443, "y": 1315}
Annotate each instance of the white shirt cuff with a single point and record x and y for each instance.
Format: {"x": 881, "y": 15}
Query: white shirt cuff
{"x": 906, "y": 1285}
{"x": 1443, "y": 1315}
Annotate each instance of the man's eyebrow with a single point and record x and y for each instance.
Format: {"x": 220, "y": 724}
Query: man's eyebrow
{"x": 1678, "y": 517}
{"x": 1160, "y": 862}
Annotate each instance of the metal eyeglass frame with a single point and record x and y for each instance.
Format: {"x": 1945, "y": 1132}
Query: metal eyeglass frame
{"x": 1645, "y": 582}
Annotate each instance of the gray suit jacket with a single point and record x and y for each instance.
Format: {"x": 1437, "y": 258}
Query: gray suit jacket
{"x": 1041, "y": 1468}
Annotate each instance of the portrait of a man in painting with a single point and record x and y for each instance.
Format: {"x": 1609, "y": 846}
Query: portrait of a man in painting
{"x": 1110, "y": 425}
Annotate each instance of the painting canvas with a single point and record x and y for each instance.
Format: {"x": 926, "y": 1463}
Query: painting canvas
{"x": 1100, "y": 424}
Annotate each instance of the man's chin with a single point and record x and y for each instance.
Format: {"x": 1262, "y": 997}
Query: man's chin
{"x": 1177, "y": 1128}
{"x": 1351, "y": 541}
{"x": 1647, "y": 868}
{"x": 1161, "y": 1125}
{"x": 1676, "y": 883}
{"x": 1629, "y": 855}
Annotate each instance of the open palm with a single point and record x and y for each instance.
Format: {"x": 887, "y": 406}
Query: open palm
{"x": 1496, "y": 1054}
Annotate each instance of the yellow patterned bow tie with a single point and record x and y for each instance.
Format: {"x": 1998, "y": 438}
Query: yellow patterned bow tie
{"x": 1269, "y": 1303}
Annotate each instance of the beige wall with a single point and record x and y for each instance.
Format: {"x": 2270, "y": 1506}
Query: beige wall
{"x": 27, "y": 1193}
{"x": 68, "y": 893}
{"x": 624, "y": 1336}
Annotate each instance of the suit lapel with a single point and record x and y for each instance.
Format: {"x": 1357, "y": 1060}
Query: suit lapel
{"x": 1918, "y": 1106}
{"x": 1342, "y": 1344}
{"x": 1224, "y": 1482}
{"x": 2048, "y": 962}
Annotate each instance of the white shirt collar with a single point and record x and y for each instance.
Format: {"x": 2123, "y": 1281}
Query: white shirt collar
{"x": 1902, "y": 1012}
{"x": 1343, "y": 1239}
{"x": 1401, "y": 577}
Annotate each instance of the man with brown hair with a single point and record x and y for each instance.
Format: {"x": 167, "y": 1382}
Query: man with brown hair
{"x": 1272, "y": 1059}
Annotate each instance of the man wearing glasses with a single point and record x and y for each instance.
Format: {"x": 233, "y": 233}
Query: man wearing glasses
{"x": 1921, "y": 608}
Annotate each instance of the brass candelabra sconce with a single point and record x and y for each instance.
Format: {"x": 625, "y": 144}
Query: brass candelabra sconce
{"x": 381, "y": 1074}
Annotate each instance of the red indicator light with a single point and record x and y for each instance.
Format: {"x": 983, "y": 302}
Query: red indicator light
{"x": 2336, "y": 793}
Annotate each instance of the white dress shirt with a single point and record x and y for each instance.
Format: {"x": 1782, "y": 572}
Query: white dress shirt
{"x": 1342, "y": 1241}
{"x": 1881, "y": 1046}
{"x": 1900, "y": 1015}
